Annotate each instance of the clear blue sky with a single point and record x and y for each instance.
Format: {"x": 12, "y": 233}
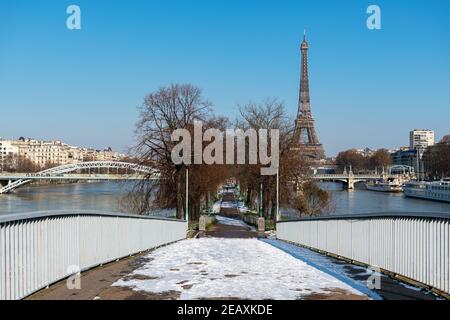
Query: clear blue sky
{"x": 369, "y": 88}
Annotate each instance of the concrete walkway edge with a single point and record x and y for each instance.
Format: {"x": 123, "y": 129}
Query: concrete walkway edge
{"x": 290, "y": 249}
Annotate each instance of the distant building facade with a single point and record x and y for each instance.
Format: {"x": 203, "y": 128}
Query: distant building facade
{"x": 421, "y": 139}
{"x": 8, "y": 152}
{"x": 366, "y": 152}
{"x": 50, "y": 153}
{"x": 406, "y": 157}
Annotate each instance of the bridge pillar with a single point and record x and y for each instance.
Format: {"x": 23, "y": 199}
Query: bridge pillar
{"x": 351, "y": 183}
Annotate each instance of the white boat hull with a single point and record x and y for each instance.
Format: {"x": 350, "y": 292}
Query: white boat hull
{"x": 384, "y": 188}
{"x": 426, "y": 194}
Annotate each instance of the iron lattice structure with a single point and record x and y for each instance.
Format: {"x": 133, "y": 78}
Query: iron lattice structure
{"x": 147, "y": 171}
{"x": 308, "y": 143}
{"x": 99, "y": 164}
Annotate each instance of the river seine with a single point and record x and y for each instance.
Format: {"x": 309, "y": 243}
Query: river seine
{"x": 106, "y": 196}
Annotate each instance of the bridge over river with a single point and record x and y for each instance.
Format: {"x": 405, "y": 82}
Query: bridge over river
{"x": 400, "y": 173}
{"x": 70, "y": 172}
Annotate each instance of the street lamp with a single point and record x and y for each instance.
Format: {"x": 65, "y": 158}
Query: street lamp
{"x": 187, "y": 196}
{"x": 261, "y": 200}
{"x": 278, "y": 196}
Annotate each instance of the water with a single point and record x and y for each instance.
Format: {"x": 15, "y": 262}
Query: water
{"x": 102, "y": 196}
{"x": 362, "y": 201}
{"x": 106, "y": 196}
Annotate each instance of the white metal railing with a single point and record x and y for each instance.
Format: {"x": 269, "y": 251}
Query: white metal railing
{"x": 39, "y": 249}
{"x": 415, "y": 246}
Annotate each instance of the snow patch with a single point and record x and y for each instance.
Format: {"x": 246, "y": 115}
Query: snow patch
{"x": 232, "y": 222}
{"x": 216, "y": 207}
{"x": 229, "y": 268}
{"x": 229, "y": 204}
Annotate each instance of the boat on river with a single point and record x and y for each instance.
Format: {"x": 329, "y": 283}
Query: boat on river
{"x": 389, "y": 185}
{"x": 436, "y": 190}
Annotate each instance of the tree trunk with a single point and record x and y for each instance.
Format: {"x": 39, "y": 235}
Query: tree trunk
{"x": 248, "y": 202}
{"x": 180, "y": 205}
{"x": 273, "y": 212}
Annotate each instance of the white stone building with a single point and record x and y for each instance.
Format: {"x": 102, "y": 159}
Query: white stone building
{"x": 8, "y": 152}
{"x": 421, "y": 139}
{"x": 50, "y": 153}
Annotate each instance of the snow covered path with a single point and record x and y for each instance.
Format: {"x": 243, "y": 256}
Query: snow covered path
{"x": 233, "y": 222}
{"x": 210, "y": 268}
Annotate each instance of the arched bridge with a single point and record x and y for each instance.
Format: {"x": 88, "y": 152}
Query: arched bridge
{"x": 401, "y": 173}
{"x": 348, "y": 178}
{"x": 64, "y": 173}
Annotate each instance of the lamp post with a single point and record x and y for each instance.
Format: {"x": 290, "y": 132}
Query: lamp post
{"x": 261, "y": 200}
{"x": 278, "y": 196}
{"x": 261, "y": 220}
{"x": 187, "y": 196}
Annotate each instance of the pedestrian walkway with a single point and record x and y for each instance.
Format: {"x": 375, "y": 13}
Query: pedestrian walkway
{"x": 229, "y": 224}
{"x": 231, "y": 228}
{"x": 229, "y": 206}
{"x": 97, "y": 283}
{"x": 217, "y": 268}
{"x": 230, "y": 263}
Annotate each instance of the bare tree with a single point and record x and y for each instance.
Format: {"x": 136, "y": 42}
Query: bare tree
{"x": 380, "y": 159}
{"x": 437, "y": 160}
{"x": 163, "y": 112}
{"x": 351, "y": 158}
{"x": 10, "y": 163}
{"x": 359, "y": 162}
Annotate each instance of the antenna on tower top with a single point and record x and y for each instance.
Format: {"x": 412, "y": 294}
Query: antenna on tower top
{"x": 304, "y": 34}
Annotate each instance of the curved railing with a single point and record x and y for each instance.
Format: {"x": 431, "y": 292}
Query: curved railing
{"x": 412, "y": 246}
{"x": 41, "y": 248}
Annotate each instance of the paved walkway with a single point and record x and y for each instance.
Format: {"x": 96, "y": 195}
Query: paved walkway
{"x": 218, "y": 268}
{"x": 229, "y": 206}
{"x": 230, "y": 231}
{"x": 97, "y": 283}
{"x": 230, "y": 225}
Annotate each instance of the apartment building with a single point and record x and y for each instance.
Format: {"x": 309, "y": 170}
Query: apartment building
{"x": 43, "y": 153}
{"x": 421, "y": 139}
{"x": 51, "y": 153}
{"x": 8, "y": 151}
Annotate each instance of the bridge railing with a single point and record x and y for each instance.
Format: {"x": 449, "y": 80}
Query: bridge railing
{"x": 413, "y": 246}
{"x": 39, "y": 249}
{"x": 346, "y": 176}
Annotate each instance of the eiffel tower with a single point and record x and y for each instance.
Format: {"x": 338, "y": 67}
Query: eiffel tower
{"x": 305, "y": 133}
